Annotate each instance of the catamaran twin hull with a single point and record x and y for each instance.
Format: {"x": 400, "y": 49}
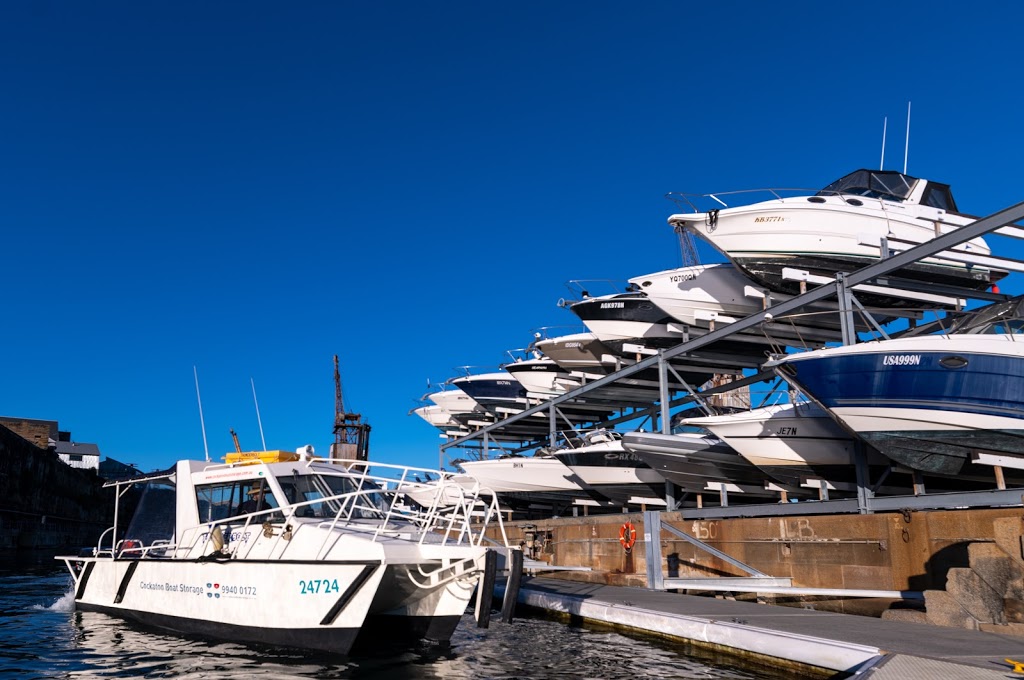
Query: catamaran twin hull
{"x": 330, "y": 555}
{"x": 312, "y": 605}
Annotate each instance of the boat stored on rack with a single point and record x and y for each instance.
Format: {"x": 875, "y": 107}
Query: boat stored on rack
{"x": 841, "y": 228}
{"x": 926, "y": 402}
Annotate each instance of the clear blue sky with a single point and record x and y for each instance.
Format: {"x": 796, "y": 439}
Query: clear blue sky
{"x": 251, "y": 188}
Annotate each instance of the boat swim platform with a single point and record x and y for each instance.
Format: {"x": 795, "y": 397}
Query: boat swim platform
{"x": 823, "y": 643}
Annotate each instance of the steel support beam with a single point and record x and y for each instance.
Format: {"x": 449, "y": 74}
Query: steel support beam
{"x": 715, "y": 552}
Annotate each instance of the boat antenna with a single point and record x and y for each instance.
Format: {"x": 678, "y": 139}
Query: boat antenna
{"x": 906, "y": 148}
{"x": 885, "y": 123}
{"x": 202, "y": 423}
{"x": 258, "y": 419}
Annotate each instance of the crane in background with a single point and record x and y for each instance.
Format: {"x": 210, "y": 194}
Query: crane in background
{"x": 351, "y": 434}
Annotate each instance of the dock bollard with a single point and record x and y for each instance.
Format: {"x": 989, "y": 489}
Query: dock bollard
{"x": 515, "y": 575}
{"x": 485, "y": 591}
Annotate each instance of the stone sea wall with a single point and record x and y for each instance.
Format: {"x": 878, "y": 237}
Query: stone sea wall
{"x": 46, "y": 504}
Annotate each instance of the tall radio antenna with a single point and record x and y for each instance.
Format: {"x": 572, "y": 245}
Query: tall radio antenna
{"x": 258, "y": 419}
{"x": 202, "y": 423}
{"x": 906, "y": 149}
{"x": 885, "y": 123}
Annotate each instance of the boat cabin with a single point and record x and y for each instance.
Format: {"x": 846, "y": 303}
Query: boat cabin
{"x": 249, "y": 489}
{"x": 894, "y": 186}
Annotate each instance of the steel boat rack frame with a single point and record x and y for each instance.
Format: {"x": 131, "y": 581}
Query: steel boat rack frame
{"x": 870, "y": 279}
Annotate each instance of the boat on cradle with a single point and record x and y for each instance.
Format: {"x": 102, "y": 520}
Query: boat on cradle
{"x": 438, "y": 417}
{"x": 700, "y": 462}
{"x": 581, "y": 352}
{"x": 704, "y": 297}
{"x": 454, "y": 401}
{"x": 542, "y": 376}
{"x": 600, "y": 461}
{"x": 792, "y": 442}
{"x": 929, "y": 403}
{"x": 629, "y": 317}
{"x": 586, "y": 358}
{"x": 272, "y": 548}
{"x": 515, "y": 473}
{"x": 527, "y": 482}
{"x": 493, "y": 391}
{"x": 841, "y": 228}
{"x": 634, "y": 319}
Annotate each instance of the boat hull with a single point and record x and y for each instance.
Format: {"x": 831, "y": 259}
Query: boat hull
{"x": 522, "y": 475}
{"x": 310, "y": 605}
{"x": 828, "y": 235}
{"x": 692, "y": 461}
{"x": 791, "y": 443}
{"x": 927, "y": 403}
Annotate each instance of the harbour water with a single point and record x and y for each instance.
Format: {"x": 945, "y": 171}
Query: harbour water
{"x": 43, "y": 637}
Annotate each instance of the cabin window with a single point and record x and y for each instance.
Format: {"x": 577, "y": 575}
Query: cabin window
{"x": 888, "y": 185}
{"x": 220, "y": 501}
{"x": 939, "y": 196}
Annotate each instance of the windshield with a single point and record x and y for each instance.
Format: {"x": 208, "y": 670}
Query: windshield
{"x": 154, "y": 517}
{"x": 310, "y": 492}
{"x": 893, "y": 186}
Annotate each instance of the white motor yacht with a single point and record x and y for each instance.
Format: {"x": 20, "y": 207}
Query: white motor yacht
{"x": 538, "y": 473}
{"x": 930, "y": 403}
{"x": 454, "y": 400}
{"x": 790, "y": 442}
{"x": 847, "y": 225}
{"x": 272, "y": 548}
{"x": 704, "y": 297}
{"x": 598, "y": 458}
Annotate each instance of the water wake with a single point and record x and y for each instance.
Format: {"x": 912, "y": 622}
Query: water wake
{"x": 66, "y": 603}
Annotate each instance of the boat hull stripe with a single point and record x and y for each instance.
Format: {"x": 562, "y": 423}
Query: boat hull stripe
{"x": 84, "y": 580}
{"x": 347, "y": 596}
{"x": 123, "y": 588}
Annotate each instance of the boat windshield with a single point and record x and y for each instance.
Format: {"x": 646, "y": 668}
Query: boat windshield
{"x": 887, "y": 184}
{"x": 371, "y": 502}
{"x": 153, "y": 521}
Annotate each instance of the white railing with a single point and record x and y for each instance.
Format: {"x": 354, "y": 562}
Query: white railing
{"x": 448, "y": 512}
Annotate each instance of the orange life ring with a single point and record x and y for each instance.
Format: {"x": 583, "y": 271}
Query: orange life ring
{"x": 627, "y": 536}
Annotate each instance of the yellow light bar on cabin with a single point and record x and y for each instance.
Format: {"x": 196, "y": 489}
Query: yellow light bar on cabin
{"x": 251, "y": 457}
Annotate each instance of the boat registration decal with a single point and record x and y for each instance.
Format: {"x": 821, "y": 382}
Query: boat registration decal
{"x": 685, "y": 276}
{"x": 234, "y": 536}
{"x": 317, "y": 586}
{"x": 769, "y": 218}
{"x": 613, "y": 305}
{"x": 901, "y": 360}
{"x": 786, "y": 432}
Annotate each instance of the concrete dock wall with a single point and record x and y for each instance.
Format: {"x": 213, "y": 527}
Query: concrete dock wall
{"x": 913, "y": 551}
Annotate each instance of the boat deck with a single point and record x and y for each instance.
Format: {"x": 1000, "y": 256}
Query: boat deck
{"x": 841, "y": 642}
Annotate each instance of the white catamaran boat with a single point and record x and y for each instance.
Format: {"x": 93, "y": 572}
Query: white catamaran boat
{"x": 276, "y": 549}
{"x": 840, "y": 229}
